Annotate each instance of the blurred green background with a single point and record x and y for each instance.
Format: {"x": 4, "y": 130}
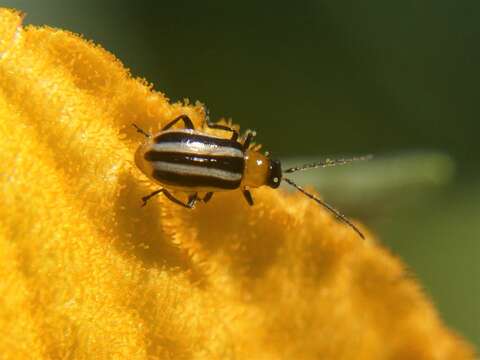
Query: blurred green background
{"x": 314, "y": 78}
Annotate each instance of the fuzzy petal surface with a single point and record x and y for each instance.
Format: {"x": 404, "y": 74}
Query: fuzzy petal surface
{"x": 86, "y": 273}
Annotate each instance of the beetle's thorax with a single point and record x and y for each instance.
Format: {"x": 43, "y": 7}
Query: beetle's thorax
{"x": 260, "y": 170}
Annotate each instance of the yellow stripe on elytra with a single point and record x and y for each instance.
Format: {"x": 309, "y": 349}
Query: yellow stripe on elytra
{"x": 193, "y": 170}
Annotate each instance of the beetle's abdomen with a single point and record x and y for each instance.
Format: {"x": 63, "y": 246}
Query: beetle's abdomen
{"x": 192, "y": 160}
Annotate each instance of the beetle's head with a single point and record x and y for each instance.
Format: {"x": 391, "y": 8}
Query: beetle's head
{"x": 274, "y": 177}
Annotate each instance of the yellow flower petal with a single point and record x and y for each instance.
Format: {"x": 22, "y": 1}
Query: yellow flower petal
{"x": 87, "y": 273}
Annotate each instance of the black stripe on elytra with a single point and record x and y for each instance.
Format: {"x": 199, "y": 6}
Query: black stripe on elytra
{"x": 227, "y": 163}
{"x": 187, "y": 180}
{"x": 184, "y": 137}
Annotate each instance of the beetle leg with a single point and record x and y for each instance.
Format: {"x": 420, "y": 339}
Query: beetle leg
{"x": 247, "y": 141}
{"x": 207, "y": 197}
{"x": 186, "y": 120}
{"x": 248, "y": 196}
{"x": 141, "y": 131}
{"x": 190, "y": 204}
{"x": 192, "y": 199}
{"x": 223, "y": 127}
{"x": 148, "y": 197}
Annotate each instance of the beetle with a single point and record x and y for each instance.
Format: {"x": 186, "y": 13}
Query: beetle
{"x": 193, "y": 162}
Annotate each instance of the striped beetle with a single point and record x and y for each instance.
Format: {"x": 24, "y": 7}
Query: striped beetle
{"x": 194, "y": 162}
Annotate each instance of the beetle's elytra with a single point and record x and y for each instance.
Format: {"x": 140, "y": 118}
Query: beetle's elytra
{"x": 194, "y": 162}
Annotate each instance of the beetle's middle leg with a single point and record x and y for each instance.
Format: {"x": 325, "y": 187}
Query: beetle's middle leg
{"x": 148, "y": 197}
{"x": 223, "y": 127}
{"x": 218, "y": 126}
{"x": 186, "y": 120}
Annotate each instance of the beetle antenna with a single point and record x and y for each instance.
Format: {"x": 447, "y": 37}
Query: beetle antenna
{"x": 327, "y": 163}
{"x": 330, "y": 208}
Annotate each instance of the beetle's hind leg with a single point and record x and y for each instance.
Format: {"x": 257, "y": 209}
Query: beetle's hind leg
{"x": 148, "y": 197}
{"x": 186, "y": 121}
{"x": 192, "y": 199}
